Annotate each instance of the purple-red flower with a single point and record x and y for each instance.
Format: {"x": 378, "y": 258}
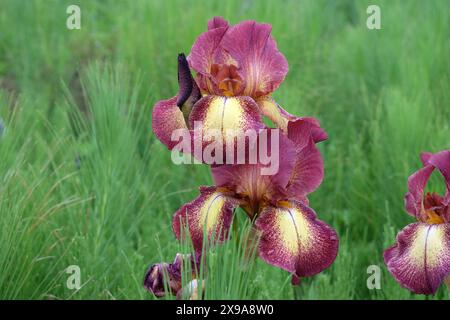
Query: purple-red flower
{"x": 162, "y": 277}
{"x": 239, "y": 60}
{"x": 237, "y": 68}
{"x": 420, "y": 260}
{"x": 291, "y": 236}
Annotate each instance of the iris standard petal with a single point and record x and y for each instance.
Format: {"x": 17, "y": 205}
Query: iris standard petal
{"x": 420, "y": 260}
{"x": 251, "y": 48}
{"x": 293, "y": 239}
{"x": 308, "y": 170}
{"x": 217, "y": 22}
{"x": 416, "y": 186}
{"x": 260, "y": 181}
{"x": 237, "y": 60}
{"x": 208, "y": 215}
{"x": 203, "y": 53}
{"x": 300, "y": 129}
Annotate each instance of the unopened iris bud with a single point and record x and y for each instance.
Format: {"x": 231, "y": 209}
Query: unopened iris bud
{"x": 154, "y": 279}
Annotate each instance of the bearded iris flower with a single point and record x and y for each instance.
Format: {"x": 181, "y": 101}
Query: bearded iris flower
{"x": 241, "y": 60}
{"x": 214, "y": 112}
{"x": 290, "y": 235}
{"x": 237, "y": 68}
{"x": 420, "y": 260}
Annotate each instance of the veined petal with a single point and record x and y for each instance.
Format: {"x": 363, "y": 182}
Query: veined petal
{"x": 237, "y": 60}
{"x": 300, "y": 129}
{"x": 203, "y": 52}
{"x": 293, "y": 239}
{"x": 210, "y": 214}
{"x": 308, "y": 170}
{"x": 261, "y": 65}
{"x": 416, "y": 186}
{"x": 201, "y": 57}
{"x": 217, "y": 22}
{"x": 272, "y": 110}
{"x": 420, "y": 260}
{"x": 224, "y": 116}
{"x": 260, "y": 181}
{"x": 166, "y": 118}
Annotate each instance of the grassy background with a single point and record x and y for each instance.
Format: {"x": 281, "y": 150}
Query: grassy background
{"x": 84, "y": 182}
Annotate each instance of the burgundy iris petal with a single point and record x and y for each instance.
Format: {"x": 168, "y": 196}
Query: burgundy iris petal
{"x": 293, "y": 239}
{"x": 420, "y": 259}
{"x": 247, "y": 47}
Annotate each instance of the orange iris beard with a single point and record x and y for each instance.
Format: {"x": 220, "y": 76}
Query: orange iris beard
{"x": 228, "y": 79}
